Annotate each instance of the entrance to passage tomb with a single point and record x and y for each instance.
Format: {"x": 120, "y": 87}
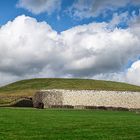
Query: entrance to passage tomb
{"x": 40, "y": 105}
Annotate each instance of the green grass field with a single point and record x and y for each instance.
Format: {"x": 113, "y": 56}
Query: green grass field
{"x": 26, "y": 88}
{"x": 33, "y": 124}
{"x": 56, "y": 83}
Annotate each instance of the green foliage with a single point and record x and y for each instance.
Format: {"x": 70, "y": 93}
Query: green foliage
{"x": 33, "y": 124}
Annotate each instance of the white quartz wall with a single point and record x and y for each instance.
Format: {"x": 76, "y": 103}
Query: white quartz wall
{"x": 101, "y": 98}
{"x": 93, "y": 98}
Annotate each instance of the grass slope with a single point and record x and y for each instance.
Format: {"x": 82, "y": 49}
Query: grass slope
{"x": 26, "y": 88}
{"x": 33, "y": 124}
{"x": 51, "y": 83}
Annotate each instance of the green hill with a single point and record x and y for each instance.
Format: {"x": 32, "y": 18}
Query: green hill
{"x": 26, "y": 88}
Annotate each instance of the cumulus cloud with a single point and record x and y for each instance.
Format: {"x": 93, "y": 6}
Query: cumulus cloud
{"x": 40, "y": 6}
{"x": 30, "y": 49}
{"x": 92, "y": 8}
{"x": 133, "y": 73}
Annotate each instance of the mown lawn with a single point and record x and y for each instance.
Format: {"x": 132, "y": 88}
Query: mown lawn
{"x": 34, "y": 124}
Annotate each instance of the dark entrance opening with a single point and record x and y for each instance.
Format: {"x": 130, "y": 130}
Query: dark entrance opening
{"x": 40, "y": 105}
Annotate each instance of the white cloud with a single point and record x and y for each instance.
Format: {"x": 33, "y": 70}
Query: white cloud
{"x": 92, "y": 8}
{"x": 30, "y": 49}
{"x": 133, "y": 73}
{"x": 40, "y": 6}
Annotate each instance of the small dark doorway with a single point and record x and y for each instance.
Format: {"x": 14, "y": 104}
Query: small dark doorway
{"x": 40, "y": 105}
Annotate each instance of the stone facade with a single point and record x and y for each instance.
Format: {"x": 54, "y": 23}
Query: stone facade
{"x": 83, "y": 98}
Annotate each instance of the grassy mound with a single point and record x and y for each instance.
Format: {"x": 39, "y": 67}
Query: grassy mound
{"x": 26, "y": 88}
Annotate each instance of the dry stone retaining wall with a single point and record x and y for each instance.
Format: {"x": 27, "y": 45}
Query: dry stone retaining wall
{"x": 81, "y": 98}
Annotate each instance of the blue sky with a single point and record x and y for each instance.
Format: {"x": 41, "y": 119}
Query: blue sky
{"x": 9, "y": 11}
{"x": 96, "y": 39}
